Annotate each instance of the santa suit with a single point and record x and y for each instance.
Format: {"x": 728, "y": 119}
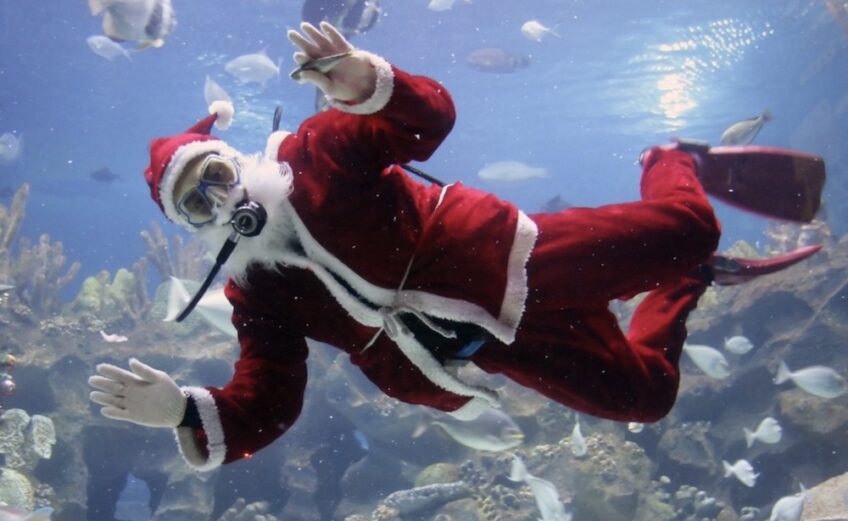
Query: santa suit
{"x": 374, "y": 251}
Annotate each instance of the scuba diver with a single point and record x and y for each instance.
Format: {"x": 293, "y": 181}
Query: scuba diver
{"x": 325, "y": 236}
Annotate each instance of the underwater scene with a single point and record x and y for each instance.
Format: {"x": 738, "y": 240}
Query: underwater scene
{"x": 595, "y": 264}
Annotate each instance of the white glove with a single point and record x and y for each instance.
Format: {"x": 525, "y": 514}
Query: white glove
{"x": 352, "y": 79}
{"x": 145, "y": 396}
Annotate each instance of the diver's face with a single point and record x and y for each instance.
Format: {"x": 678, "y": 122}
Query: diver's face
{"x": 204, "y": 186}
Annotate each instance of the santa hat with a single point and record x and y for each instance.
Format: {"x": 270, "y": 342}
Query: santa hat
{"x": 170, "y": 155}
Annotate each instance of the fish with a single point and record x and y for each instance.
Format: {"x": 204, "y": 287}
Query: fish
{"x": 493, "y": 59}
{"x": 534, "y": 30}
{"x": 544, "y": 492}
{"x": 106, "y": 48}
{"x": 256, "y": 67}
{"x": 133, "y": 503}
{"x": 443, "y": 5}
{"x": 350, "y": 17}
{"x": 510, "y": 171}
{"x": 578, "y": 442}
{"x": 113, "y": 339}
{"x": 493, "y": 430}
{"x": 146, "y": 22}
{"x": 213, "y": 92}
{"x": 789, "y": 508}
{"x": 361, "y": 440}
{"x": 103, "y": 175}
{"x": 213, "y": 307}
{"x": 5, "y": 288}
{"x": 738, "y": 345}
{"x": 818, "y": 380}
{"x": 768, "y": 431}
{"x": 742, "y": 470}
{"x": 11, "y": 147}
{"x": 708, "y": 359}
{"x": 743, "y": 132}
{"x": 8, "y": 513}
{"x": 635, "y": 427}
{"x": 322, "y": 65}
{"x": 555, "y": 204}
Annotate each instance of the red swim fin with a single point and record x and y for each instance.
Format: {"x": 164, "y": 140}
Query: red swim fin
{"x": 773, "y": 182}
{"x": 728, "y": 271}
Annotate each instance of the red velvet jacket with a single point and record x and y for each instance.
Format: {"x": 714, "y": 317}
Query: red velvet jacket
{"x": 371, "y": 243}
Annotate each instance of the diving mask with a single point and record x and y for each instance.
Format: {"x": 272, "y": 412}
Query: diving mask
{"x": 218, "y": 174}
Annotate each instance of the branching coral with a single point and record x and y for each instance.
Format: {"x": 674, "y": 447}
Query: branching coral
{"x": 181, "y": 259}
{"x": 10, "y": 221}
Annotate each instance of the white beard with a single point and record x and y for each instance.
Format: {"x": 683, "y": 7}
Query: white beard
{"x": 268, "y": 183}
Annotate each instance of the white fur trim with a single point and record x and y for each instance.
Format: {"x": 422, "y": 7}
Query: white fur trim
{"x": 175, "y": 168}
{"x": 515, "y": 296}
{"x": 471, "y": 410}
{"x": 225, "y": 111}
{"x": 211, "y": 421}
{"x": 382, "y": 91}
{"x": 272, "y": 144}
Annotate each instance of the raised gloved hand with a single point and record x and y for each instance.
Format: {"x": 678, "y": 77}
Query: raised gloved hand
{"x": 145, "y": 396}
{"x": 329, "y": 61}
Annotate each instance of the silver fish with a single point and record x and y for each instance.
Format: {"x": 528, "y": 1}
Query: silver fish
{"x": 635, "y": 427}
{"x": 5, "y": 288}
{"x": 106, "y": 48}
{"x": 493, "y": 59}
{"x": 742, "y": 470}
{"x": 578, "y": 442}
{"x": 510, "y": 171}
{"x": 493, "y": 430}
{"x": 322, "y": 65}
{"x": 256, "y": 67}
{"x": 789, "y": 508}
{"x": 768, "y": 431}
{"x": 214, "y": 307}
{"x": 817, "y": 380}
{"x": 738, "y": 345}
{"x": 213, "y": 92}
{"x": 708, "y": 359}
{"x": 350, "y": 17}
{"x": 10, "y": 147}
{"x": 743, "y": 132}
{"x": 545, "y": 493}
{"x": 147, "y": 22}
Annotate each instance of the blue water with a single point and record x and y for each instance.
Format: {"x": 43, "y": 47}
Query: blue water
{"x": 618, "y": 80}
{"x": 623, "y": 76}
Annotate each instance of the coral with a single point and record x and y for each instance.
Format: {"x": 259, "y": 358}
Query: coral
{"x": 695, "y": 505}
{"x": 10, "y": 221}
{"x": 24, "y": 439}
{"x": 16, "y": 490}
{"x": 124, "y": 297}
{"x": 181, "y": 259}
{"x": 427, "y": 497}
{"x": 242, "y": 511}
{"x": 39, "y": 274}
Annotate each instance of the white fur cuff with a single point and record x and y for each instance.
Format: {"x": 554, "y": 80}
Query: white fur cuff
{"x": 382, "y": 91}
{"x": 214, "y": 433}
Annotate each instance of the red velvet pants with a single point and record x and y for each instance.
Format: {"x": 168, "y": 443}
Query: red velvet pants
{"x": 569, "y": 346}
